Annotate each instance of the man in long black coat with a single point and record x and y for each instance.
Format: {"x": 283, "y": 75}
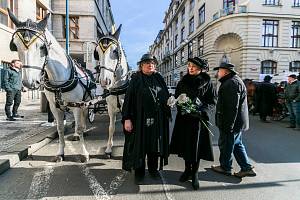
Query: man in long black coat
{"x": 232, "y": 120}
{"x": 265, "y": 98}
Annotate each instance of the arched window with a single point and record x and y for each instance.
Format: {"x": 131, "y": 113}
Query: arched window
{"x": 268, "y": 67}
{"x": 294, "y": 66}
{"x": 181, "y": 75}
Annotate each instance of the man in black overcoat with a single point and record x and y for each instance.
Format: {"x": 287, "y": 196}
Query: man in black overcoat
{"x": 265, "y": 99}
{"x": 232, "y": 120}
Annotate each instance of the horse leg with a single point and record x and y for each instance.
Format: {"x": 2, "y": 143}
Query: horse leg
{"x": 81, "y": 128}
{"x": 111, "y": 130}
{"x": 75, "y": 136}
{"x": 59, "y": 116}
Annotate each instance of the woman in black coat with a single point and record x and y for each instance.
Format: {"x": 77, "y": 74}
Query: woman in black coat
{"x": 191, "y": 138}
{"x": 146, "y": 120}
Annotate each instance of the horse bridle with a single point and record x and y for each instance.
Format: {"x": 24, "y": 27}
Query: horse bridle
{"x": 66, "y": 86}
{"x": 38, "y": 35}
{"x": 115, "y": 41}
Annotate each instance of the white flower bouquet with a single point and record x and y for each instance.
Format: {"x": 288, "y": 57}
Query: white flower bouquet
{"x": 188, "y": 107}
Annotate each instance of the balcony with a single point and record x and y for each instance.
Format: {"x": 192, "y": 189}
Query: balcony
{"x": 229, "y": 11}
{"x": 167, "y": 55}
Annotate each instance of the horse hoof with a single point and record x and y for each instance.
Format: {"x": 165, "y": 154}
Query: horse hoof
{"x": 73, "y": 138}
{"x": 85, "y": 159}
{"x": 108, "y": 155}
{"x": 58, "y": 158}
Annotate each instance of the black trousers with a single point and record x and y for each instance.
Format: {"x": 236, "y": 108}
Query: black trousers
{"x": 152, "y": 163}
{"x": 12, "y": 98}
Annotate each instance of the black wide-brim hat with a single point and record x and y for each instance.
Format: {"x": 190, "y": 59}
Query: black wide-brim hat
{"x": 294, "y": 76}
{"x": 201, "y": 63}
{"x": 228, "y": 66}
{"x": 147, "y": 57}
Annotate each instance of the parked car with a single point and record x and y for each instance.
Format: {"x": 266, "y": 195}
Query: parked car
{"x": 171, "y": 90}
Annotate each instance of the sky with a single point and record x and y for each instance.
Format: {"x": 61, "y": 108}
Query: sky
{"x": 141, "y": 21}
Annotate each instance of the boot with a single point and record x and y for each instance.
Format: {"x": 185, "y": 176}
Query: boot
{"x": 195, "y": 179}
{"x": 186, "y": 175}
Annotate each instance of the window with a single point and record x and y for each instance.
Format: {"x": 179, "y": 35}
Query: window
{"x": 296, "y": 3}
{"x": 192, "y": 4}
{"x": 182, "y": 56}
{"x": 176, "y": 24}
{"x": 176, "y": 59}
{"x": 228, "y": 3}
{"x": 183, "y": 15}
{"x": 200, "y": 45}
{"x": 270, "y": 33}
{"x": 202, "y": 15}
{"x": 74, "y": 27}
{"x": 271, "y": 2}
{"x": 191, "y": 25}
{"x": 4, "y": 19}
{"x": 295, "y": 35}
{"x": 268, "y": 67}
{"x": 182, "y": 34}
{"x": 40, "y": 11}
{"x": 294, "y": 66}
{"x": 190, "y": 49}
{"x": 176, "y": 41}
{"x": 181, "y": 75}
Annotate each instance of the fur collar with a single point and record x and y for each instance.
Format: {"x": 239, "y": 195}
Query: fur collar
{"x": 197, "y": 81}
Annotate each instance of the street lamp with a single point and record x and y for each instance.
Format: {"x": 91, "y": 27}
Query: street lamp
{"x": 67, "y": 27}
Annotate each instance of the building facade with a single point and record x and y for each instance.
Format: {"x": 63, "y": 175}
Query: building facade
{"x": 88, "y": 18}
{"x": 260, "y": 37}
{"x": 32, "y": 9}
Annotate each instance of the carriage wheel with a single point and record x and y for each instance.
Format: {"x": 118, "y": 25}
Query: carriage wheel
{"x": 91, "y": 116}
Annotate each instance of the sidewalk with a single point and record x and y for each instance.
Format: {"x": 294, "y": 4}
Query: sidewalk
{"x": 22, "y": 137}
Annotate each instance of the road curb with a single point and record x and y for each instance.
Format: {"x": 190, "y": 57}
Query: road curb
{"x": 20, "y": 151}
{"x": 4, "y": 165}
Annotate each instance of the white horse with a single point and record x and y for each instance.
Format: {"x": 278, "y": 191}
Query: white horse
{"x": 65, "y": 83}
{"x": 113, "y": 76}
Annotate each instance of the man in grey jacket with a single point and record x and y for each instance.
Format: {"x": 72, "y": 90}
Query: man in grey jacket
{"x": 232, "y": 120}
{"x": 12, "y": 82}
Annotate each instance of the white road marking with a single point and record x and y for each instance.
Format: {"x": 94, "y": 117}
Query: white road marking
{"x": 40, "y": 183}
{"x": 96, "y": 188}
{"x": 117, "y": 182}
{"x": 166, "y": 188}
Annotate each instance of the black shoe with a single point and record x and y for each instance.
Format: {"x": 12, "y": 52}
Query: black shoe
{"x": 185, "y": 176}
{"x": 154, "y": 173}
{"x": 291, "y": 126}
{"x": 195, "y": 181}
{"x": 10, "y": 119}
{"x": 139, "y": 175}
{"x": 138, "y": 178}
{"x": 18, "y": 116}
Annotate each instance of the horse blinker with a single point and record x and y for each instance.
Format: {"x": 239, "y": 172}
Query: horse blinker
{"x": 96, "y": 55}
{"x": 13, "y": 46}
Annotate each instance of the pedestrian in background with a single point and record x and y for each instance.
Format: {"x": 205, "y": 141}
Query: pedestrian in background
{"x": 292, "y": 96}
{"x": 191, "y": 138}
{"x": 232, "y": 120}
{"x": 145, "y": 116}
{"x": 12, "y": 82}
{"x": 265, "y": 98}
